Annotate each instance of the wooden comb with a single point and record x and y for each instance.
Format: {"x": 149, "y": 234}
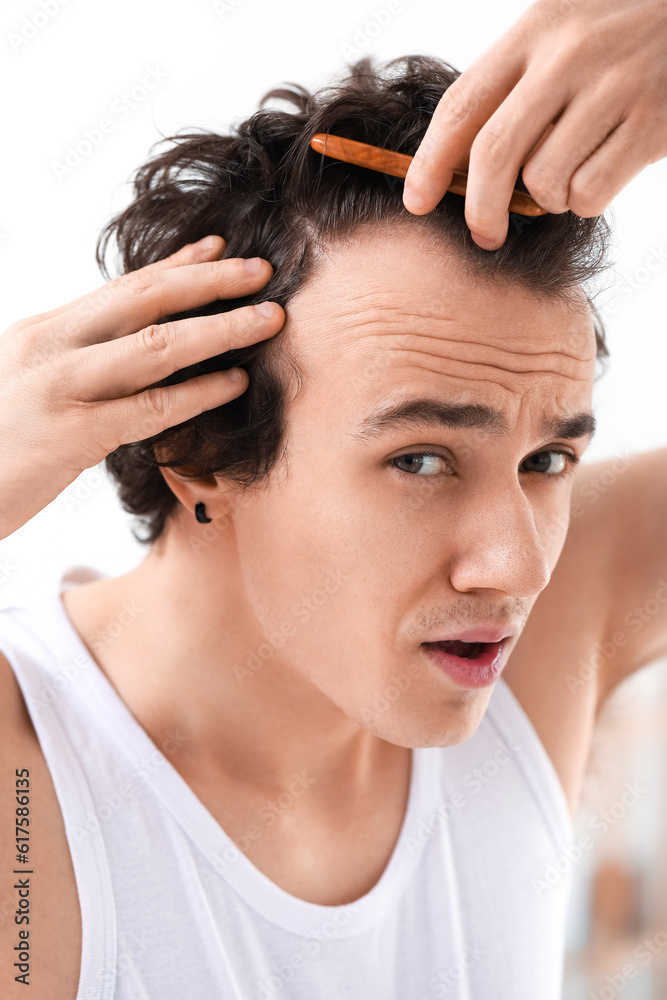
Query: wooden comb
{"x": 386, "y": 161}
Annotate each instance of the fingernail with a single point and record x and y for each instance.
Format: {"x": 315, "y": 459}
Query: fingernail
{"x": 253, "y": 264}
{"x": 234, "y": 374}
{"x": 207, "y": 243}
{"x": 266, "y": 309}
{"x": 483, "y": 242}
{"x": 413, "y": 200}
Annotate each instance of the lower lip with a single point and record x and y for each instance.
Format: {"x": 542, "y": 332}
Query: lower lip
{"x": 480, "y": 672}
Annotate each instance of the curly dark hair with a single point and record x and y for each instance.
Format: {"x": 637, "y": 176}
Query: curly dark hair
{"x": 270, "y": 195}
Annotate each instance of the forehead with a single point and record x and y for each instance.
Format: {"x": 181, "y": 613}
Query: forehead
{"x": 391, "y": 310}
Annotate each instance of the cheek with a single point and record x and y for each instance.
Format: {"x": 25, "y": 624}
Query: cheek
{"x": 334, "y": 575}
{"x": 552, "y": 516}
{"x": 305, "y": 565}
{"x": 331, "y": 575}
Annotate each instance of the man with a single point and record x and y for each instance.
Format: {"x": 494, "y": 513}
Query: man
{"x": 295, "y": 633}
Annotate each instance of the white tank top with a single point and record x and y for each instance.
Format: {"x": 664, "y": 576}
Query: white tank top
{"x": 471, "y": 905}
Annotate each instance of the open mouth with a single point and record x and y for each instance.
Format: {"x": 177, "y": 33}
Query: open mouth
{"x": 467, "y": 650}
{"x": 470, "y": 664}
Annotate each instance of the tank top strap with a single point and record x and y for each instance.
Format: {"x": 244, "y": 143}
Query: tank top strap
{"x": 39, "y": 655}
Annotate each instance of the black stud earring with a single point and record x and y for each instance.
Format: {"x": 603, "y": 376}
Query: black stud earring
{"x": 200, "y": 513}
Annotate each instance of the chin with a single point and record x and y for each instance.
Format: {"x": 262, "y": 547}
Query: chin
{"x": 411, "y": 725}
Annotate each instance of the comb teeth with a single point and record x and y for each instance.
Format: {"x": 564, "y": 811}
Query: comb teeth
{"x": 386, "y": 161}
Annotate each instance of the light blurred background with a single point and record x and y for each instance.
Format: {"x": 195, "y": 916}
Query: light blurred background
{"x": 152, "y": 67}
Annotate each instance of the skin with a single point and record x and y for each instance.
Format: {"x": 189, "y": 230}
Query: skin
{"x": 480, "y": 548}
{"x": 580, "y": 145}
{"x": 574, "y": 91}
{"x": 74, "y": 378}
{"x": 383, "y": 317}
{"x": 386, "y": 315}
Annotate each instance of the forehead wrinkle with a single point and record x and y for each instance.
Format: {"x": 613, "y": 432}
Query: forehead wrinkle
{"x": 436, "y": 304}
{"x": 392, "y": 326}
{"x": 374, "y": 300}
{"x": 486, "y": 346}
{"x": 456, "y": 367}
{"x": 512, "y": 390}
{"x": 401, "y": 327}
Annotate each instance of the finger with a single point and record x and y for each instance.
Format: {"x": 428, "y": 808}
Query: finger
{"x": 584, "y": 125}
{"x": 604, "y": 174}
{"x": 501, "y": 147}
{"x": 140, "y": 298}
{"x": 543, "y": 138}
{"x": 461, "y": 113}
{"x": 138, "y": 417}
{"x": 191, "y": 253}
{"x": 121, "y": 367}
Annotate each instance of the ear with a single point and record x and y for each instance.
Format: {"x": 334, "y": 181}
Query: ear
{"x": 190, "y": 489}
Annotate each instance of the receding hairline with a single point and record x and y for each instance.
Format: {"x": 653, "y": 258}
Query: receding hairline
{"x": 433, "y": 239}
{"x": 428, "y": 239}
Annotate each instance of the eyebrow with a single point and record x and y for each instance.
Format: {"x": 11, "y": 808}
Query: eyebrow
{"x": 428, "y": 412}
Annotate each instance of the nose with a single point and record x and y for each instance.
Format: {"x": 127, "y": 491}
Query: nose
{"x": 497, "y": 546}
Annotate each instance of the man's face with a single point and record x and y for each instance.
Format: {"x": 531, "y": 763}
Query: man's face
{"x": 361, "y": 548}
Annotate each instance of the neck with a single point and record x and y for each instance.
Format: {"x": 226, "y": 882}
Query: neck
{"x": 194, "y": 659}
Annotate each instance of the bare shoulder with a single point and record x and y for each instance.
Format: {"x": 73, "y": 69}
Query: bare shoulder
{"x": 14, "y": 716}
{"x": 38, "y": 900}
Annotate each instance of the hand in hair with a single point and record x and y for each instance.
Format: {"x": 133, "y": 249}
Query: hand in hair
{"x": 575, "y": 90}
{"x": 74, "y": 380}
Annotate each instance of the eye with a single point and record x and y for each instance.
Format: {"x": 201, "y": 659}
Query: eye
{"x": 553, "y": 463}
{"x": 421, "y": 463}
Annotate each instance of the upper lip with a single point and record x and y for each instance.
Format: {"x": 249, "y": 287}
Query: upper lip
{"x": 481, "y": 634}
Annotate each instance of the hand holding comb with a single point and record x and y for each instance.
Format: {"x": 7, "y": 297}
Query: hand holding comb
{"x": 386, "y": 161}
